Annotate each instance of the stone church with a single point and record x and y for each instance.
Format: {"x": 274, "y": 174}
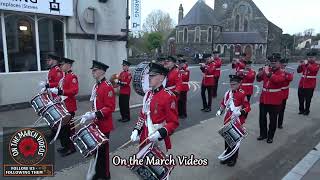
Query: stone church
{"x": 232, "y": 26}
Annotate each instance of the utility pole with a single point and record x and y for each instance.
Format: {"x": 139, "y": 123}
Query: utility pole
{"x": 127, "y": 28}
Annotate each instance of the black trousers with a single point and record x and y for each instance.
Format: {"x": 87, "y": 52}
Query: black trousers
{"x": 281, "y": 112}
{"x": 182, "y": 103}
{"x": 65, "y": 134}
{"x": 205, "y": 103}
{"x": 215, "y": 87}
{"x": 305, "y": 96}
{"x": 249, "y": 97}
{"x": 234, "y": 157}
{"x": 273, "y": 111}
{"x": 124, "y": 106}
{"x": 103, "y": 164}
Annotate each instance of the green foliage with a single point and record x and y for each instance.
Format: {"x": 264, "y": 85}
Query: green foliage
{"x": 154, "y": 40}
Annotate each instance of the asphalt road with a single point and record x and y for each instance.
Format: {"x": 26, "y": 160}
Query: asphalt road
{"x": 122, "y": 131}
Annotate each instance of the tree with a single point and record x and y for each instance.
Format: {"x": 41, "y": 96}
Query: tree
{"x": 154, "y": 41}
{"x": 317, "y": 37}
{"x": 158, "y": 21}
{"x": 308, "y": 32}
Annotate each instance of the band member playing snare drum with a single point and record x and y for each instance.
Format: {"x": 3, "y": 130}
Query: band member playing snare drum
{"x": 69, "y": 87}
{"x": 158, "y": 118}
{"x": 103, "y": 105}
{"x": 237, "y": 108}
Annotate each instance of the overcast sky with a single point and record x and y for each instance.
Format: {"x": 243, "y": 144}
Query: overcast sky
{"x": 291, "y": 15}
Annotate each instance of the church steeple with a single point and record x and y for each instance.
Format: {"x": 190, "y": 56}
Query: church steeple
{"x": 180, "y": 16}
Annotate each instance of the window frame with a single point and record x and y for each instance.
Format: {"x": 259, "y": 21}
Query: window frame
{"x": 36, "y": 18}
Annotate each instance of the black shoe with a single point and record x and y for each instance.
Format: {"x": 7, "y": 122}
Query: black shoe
{"x": 203, "y": 109}
{"x": 123, "y": 120}
{"x": 207, "y": 110}
{"x": 61, "y": 150}
{"x": 232, "y": 163}
{"x": 301, "y": 112}
{"x": 269, "y": 141}
{"x": 182, "y": 117}
{"x": 68, "y": 152}
{"x": 260, "y": 138}
{"x": 306, "y": 113}
{"x": 224, "y": 162}
{"x": 280, "y": 127}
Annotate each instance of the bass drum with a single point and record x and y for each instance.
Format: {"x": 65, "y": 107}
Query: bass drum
{"x": 141, "y": 78}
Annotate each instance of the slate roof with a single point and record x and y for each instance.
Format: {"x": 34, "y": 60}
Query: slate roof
{"x": 200, "y": 14}
{"x": 240, "y": 38}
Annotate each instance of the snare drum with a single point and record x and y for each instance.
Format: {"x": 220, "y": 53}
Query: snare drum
{"x": 140, "y": 80}
{"x": 40, "y": 102}
{"x": 88, "y": 139}
{"x": 233, "y": 132}
{"x": 55, "y": 113}
{"x": 148, "y": 171}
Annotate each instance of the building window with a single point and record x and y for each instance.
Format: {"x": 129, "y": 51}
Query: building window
{"x": 219, "y": 48}
{"x": 50, "y": 38}
{"x": 237, "y": 24}
{"x": 21, "y": 43}
{"x": 225, "y": 49}
{"x": 245, "y": 25}
{"x": 185, "y": 35}
{"x": 210, "y": 34}
{"x": 2, "y": 65}
{"x": 197, "y": 39}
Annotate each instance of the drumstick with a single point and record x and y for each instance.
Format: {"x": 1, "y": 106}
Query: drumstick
{"x": 143, "y": 141}
{"x": 75, "y": 120}
{"x": 125, "y": 144}
{"x": 231, "y": 115}
{"x": 75, "y": 126}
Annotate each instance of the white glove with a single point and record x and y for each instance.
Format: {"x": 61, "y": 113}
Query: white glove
{"x": 134, "y": 136}
{"x": 155, "y": 136}
{"x": 83, "y": 121}
{"x": 305, "y": 61}
{"x": 116, "y": 81}
{"x": 236, "y": 113}
{"x": 218, "y": 113}
{"x": 88, "y": 116}
{"x": 42, "y": 84}
{"x": 53, "y": 90}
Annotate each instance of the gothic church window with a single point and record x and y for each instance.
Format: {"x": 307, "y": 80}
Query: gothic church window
{"x": 185, "y": 35}
{"x": 237, "y": 24}
{"x": 209, "y": 35}
{"x": 197, "y": 37}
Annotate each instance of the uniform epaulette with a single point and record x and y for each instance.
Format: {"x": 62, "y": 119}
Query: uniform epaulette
{"x": 169, "y": 92}
{"x": 242, "y": 91}
{"x": 108, "y": 83}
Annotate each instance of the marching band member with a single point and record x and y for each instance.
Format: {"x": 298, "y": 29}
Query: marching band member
{"x": 217, "y": 63}
{"x": 249, "y": 76}
{"x": 309, "y": 70}
{"x": 285, "y": 91}
{"x": 103, "y": 105}
{"x": 208, "y": 71}
{"x": 173, "y": 77}
{"x": 124, "y": 97}
{"x": 238, "y": 64}
{"x": 55, "y": 74}
{"x": 69, "y": 87}
{"x": 271, "y": 97}
{"x": 238, "y": 107}
{"x": 158, "y": 118}
{"x": 185, "y": 77}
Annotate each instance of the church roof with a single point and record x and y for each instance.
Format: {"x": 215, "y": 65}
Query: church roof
{"x": 240, "y": 38}
{"x": 200, "y": 14}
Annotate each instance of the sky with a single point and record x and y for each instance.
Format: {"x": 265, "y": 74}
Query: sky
{"x": 292, "y": 16}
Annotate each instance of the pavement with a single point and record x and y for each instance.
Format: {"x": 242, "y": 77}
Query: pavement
{"x": 198, "y": 135}
{"x": 204, "y": 142}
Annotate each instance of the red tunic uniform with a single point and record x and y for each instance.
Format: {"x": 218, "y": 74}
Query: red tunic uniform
{"x": 238, "y": 65}
{"x": 286, "y": 84}
{"x": 247, "y": 81}
{"x": 54, "y": 77}
{"x": 125, "y": 80}
{"x": 173, "y": 80}
{"x": 185, "y": 77}
{"x": 69, "y": 87}
{"x": 208, "y": 74}
{"x": 240, "y": 102}
{"x": 104, "y": 105}
{"x": 309, "y": 75}
{"x": 163, "y": 113}
{"x": 272, "y": 84}
{"x": 217, "y": 63}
